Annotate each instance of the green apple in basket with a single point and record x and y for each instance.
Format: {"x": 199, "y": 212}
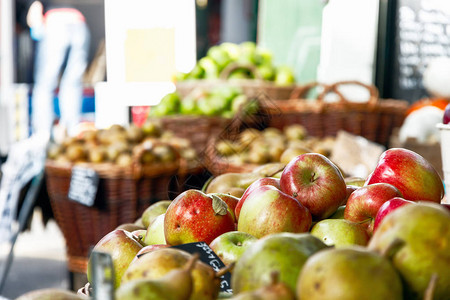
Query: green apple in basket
{"x": 219, "y": 55}
{"x": 212, "y": 105}
{"x": 210, "y": 67}
{"x": 249, "y": 55}
{"x": 284, "y": 76}
{"x": 196, "y": 73}
{"x": 233, "y": 50}
{"x": 189, "y": 106}
{"x": 267, "y": 72}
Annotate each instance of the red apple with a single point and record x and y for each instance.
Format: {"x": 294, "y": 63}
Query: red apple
{"x": 388, "y": 207}
{"x": 413, "y": 175}
{"x": 268, "y": 210}
{"x": 260, "y": 182}
{"x": 194, "y": 216}
{"x": 363, "y": 204}
{"x": 230, "y": 200}
{"x": 316, "y": 182}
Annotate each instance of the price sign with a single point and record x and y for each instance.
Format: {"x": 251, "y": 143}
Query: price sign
{"x": 83, "y": 185}
{"x": 210, "y": 258}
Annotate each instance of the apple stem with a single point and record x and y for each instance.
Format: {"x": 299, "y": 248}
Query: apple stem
{"x": 429, "y": 292}
{"x": 364, "y": 221}
{"x": 224, "y": 270}
{"x": 393, "y": 248}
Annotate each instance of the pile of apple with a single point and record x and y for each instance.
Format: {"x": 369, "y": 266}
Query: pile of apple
{"x": 306, "y": 235}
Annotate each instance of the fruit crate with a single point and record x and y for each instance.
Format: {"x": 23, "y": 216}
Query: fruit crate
{"x": 123, "y": 194}
{"x": 374, "y": 119}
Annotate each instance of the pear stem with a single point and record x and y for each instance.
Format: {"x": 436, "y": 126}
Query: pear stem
{"x": 191, "y": 262}
{"x": 429, "y": 292}
{"x": 274, "y": 277}
{"x": 205, "y": 186}
{"x": 393, "y": 248}
{"x": 276, "y": 172}
{"x": 224, "y": 270}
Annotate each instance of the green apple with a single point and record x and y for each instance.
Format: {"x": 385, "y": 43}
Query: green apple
{"x": 155, "y": 232}
{"x": 122, "y": 247}
{"x": 284, "y": 76}
{"x": 153, "y": 211}
{"x": 340, "y": 232}
{"x": 231, "y": 245}
{"x": 285, "y": 253}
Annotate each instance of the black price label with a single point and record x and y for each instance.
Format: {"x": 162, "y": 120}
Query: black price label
{"x": 83, "y": 185}
{"x": 209, "y": 257}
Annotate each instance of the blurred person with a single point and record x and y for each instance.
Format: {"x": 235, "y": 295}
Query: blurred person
{"x": 63, "y": 40}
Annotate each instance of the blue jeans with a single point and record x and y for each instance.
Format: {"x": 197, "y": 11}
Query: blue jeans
{"x": 70, "y": 39}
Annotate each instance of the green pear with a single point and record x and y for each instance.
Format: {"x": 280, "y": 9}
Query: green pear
{"x": 425, "y": 230}
{"x": 284, "y": 253}
{"x": 130, "y": 227}
{"x": 348, "y": 273}
{"x": 153, "y": 211}
{"x": 274, "y": 291}
{"x": 157, "y": 263}
{"x": 340, "y": 232}
{"x": 175, "y": 285}
{"x": 122, "y": 247}
{"x": 155, "y": 232}
{"x": 51, "y": 294}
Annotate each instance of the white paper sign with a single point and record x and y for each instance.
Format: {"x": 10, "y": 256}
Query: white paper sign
{"x": 25, "y": 160}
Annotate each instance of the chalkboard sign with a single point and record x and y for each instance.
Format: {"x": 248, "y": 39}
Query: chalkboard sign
{"x": 411, "y": 33}
{"x": 83, "y": 185}
{"x": 210, "y": 258}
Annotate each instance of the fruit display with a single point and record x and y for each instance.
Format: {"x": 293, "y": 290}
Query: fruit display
{"x": 299, "y": 236}
{"x": 255, "y": 59}
{"x": 258, "y": 147}
{"x": 122, "y": 146}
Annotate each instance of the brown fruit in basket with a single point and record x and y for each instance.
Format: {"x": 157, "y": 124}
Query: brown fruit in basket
{"x": 116, "y": 128}
{"x": 259, "y": 156}
{"x": 272, "y": 132}
{"x": 134, "y": 134}
{"x": 291, "y": 153}
{"x": 69, "y": 141}
{"x": 248, "y": 136}
{"x": 151, "y": 128}
{"x": 225, "y": 148}
{"x": 124, "y": 159}
{"x": 165, "y": 153}
{"x": 62, "y": 158}
{"x": 96, "y": 154}
{"x": 147, "y": 157}
{"x": 295, "y": 132}
{"x": 156, "y": 264}
{"x": 75, "y": 152}
{"x": 188, "y": 154}
{"x": 275, "y": 152}
{"x": 238, "y": 159}
{"x": 54, "y": 150}
{"x": 90, "y": 135}
{"x": 322, "y": 150}
{"x": 51, "y": 294}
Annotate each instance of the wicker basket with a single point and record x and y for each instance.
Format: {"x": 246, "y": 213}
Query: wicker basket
{"x": 123, "y": 194}
{"x": 374, "y": 119}
{"x": 250, "y": 87}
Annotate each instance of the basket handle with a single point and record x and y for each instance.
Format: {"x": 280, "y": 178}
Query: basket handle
{"x": 226, "y": 72}
{"x": 373, "y": 91}
{"x": 300, "y": 91}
